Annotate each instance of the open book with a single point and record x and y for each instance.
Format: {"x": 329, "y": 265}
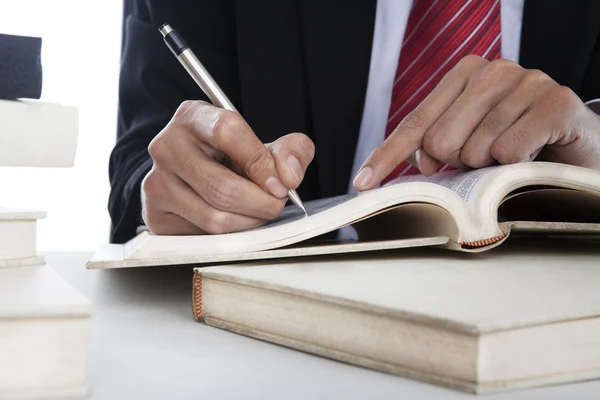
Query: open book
{"x": 461, "y": 210}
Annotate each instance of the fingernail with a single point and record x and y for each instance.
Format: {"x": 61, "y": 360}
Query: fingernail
{"x": 276, "y": 187}
{"x": 362, "y": 179}
{"x": 295, "y": 167}
{"x": 418, "y": 160}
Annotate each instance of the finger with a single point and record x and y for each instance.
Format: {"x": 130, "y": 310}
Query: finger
{"x": 524, "y": 139}
{"x": 408, "y": 136}
{"x": 154, "y": 215}
{"x": 484, "y": 89}
{"x": 552, "y": 128}
{"x": 292, "y": 153}
{"x": 578, "y": 140}
{"x": 476, "y": 152}
{"x": 214, "y": 221}
{"x": 228, "y": 132}
{"x": 220, "y": 187}
{"x": 167, "y": 223}
{"x": 166, "y": 194}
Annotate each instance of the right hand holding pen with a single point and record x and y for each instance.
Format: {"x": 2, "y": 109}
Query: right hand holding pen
{"x": 211, "y": 174}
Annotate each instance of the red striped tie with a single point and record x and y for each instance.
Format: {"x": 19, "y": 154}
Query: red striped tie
{"x": 438, "y": 34}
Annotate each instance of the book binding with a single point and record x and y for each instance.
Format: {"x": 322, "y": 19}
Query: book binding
{"x": 197, "y": 296}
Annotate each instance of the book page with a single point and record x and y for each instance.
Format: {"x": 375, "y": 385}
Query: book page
{"x": 466, "y": 184}
{"x": 292, "y": 213}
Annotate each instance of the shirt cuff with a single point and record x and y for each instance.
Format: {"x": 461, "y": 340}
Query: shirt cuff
{"x": 594, "y": 105}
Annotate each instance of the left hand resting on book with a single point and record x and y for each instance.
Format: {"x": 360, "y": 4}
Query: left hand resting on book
{"x": 484, "y": 113}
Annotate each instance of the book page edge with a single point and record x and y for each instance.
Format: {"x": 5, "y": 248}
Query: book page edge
{"x": 113, "y": 256}
{"x": 344, "y": 357}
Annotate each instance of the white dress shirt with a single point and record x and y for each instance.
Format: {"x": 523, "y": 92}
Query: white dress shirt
{"x": 390, "y": 23}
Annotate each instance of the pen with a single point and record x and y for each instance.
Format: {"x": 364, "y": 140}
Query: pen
{"x": 194, "y": 67}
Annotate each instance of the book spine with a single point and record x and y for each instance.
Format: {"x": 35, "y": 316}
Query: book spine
{"x": 484, "y": 242}
{"x": 197, "y": 296}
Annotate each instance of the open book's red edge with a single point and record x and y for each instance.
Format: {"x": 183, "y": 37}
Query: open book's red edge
{"x": 484, "y": 242}
{"x": 197, "y": 296}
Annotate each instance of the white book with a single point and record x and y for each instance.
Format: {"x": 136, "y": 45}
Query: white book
{"x": 44, "y": 335}
{"x": 470, "y": 211}
{"x": 18, "y": 235}
{"x": 526, "y": 315}
{"x": 38, "y": 134}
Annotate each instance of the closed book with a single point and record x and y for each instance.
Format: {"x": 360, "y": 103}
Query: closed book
{"x": 38, "y": 134}
{"x": 526, "y": 315}
{"x": 44, "y": 335}
{"x": 18, "y": 235}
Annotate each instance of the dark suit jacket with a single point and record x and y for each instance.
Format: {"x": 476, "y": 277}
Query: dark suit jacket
{"x": 295, "y": 66}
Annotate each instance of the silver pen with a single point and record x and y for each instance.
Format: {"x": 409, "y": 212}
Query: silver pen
{"x": 194, "y": 67}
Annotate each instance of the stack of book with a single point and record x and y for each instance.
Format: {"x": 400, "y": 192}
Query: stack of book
{"x": 44, "y": 322}
{"x": 444, "y": 283}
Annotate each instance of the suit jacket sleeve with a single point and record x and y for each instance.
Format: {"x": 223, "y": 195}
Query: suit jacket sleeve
{"x": 590, "y": 87}
{"x": 153, "y": 84}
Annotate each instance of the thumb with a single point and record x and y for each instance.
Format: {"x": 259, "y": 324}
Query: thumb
{"x": 426, "y": 164}
{"x": 292, "y": 153}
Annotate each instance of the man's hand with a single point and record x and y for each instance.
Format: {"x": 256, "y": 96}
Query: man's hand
{"x": 483, "y": 113}
{"x": 211, "y": 174}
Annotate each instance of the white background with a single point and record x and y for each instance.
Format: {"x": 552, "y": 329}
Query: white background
{"x": 81, "y": 44}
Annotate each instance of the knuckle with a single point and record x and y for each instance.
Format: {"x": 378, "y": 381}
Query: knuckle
{"x": 504, "y": 153}
{"x": 500, "y": 153}
{"x": 436, "y": 147}
{"x": 474, "y": 158}
{"x": 222, "y": 192}
{"x": 151, "y": 185}
{"x": 157, "y": 227}
{"x": 413, "y": 123}
{"x": 497, "y": 69}
{"x": 534, "y": 77}
{"x": 186, "y": 108}
{"x": 216, "y": 223}
{"x": 502, "y": 64}
{"x": 564, "y": 97}
{"x": 158, "y": 148}
{"x": 470, "y": 62}
{"x": 226, "y": 125}
{"x": 258, "y": 164}
{"x": 154, "y": 219}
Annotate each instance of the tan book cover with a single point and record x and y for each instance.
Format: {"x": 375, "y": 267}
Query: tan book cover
{"x": 526, "y": 315}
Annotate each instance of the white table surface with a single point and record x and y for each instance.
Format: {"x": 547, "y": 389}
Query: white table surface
{"x": 145, "y": 344}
